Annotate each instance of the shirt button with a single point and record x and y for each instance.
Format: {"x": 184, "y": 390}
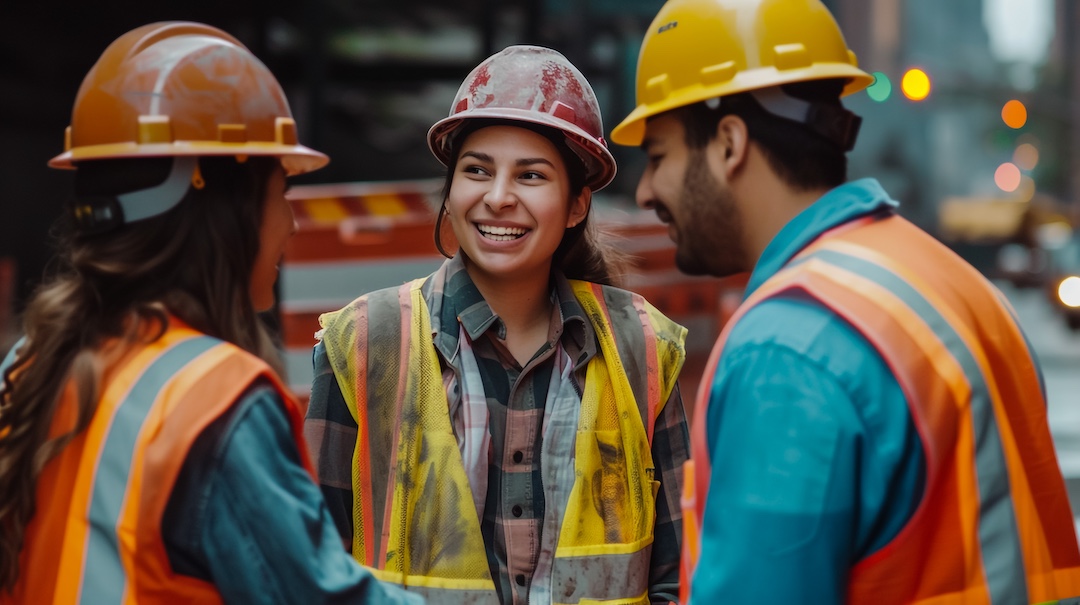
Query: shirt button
{"x": 516, "y": 510}
{"x": 518, "y": 457}
{"x": 520, "y": 579}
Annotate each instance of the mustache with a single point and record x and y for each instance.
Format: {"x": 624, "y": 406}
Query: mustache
{"x": 661, "y": 211}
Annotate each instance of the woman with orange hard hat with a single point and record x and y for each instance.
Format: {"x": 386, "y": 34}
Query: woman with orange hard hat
{"x": 148, "y": 450}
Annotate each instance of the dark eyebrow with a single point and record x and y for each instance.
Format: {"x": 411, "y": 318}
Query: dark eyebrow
{"x": 531, "y": 161}
{"x": 645, "y": 144}
{"x": 483, "y": 157}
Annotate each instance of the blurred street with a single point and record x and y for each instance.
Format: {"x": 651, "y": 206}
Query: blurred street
{"x": 1059, "y": 351}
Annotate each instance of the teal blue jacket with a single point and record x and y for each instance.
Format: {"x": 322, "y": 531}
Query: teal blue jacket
{"x": 816, "y": 462}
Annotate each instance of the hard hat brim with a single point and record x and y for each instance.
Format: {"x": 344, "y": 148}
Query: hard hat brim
{"x": 295, "y": 159}
{"x": 631, "y": 131}
{"x": 599, "y": 174}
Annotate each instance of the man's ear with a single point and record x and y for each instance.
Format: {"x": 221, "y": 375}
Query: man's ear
{"x": 579, "y": 207}
{"x": 733, "y": 144}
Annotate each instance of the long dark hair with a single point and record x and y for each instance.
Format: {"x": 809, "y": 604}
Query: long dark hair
{"x": 586, "y": 251}
{"x": 195, "y": 262}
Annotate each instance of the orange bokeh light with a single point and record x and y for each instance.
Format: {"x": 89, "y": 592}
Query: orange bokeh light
{"x": 1007, "y": 177}
{"x": 1014, "y": 113}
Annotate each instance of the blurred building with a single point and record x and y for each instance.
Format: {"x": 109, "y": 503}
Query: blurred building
{"x": 366, "y": 78}
{"x": 1063, "y": 69}
{"x": 924, "y": 151}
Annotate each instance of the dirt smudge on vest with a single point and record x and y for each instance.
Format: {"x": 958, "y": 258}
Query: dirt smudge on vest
{"x": 609, "y": 485}
{"x": 443, "y": 528}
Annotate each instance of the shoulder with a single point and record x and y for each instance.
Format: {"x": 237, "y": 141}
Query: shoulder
{"x": 352, "y": 314}
{"x": 626, "y": 303}
{"x": 179, "y": 345}
{"x": 802, "y": 332}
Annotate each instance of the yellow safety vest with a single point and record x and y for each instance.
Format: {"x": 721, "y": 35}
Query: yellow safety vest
{"x": 414, "y": 520}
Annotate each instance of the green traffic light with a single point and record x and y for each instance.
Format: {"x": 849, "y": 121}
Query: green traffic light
{"x": 881, "y": 88}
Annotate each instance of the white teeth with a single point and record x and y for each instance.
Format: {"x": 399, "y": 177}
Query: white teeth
{"x": 501, "y": 230}
{"x": 501, "y": 234}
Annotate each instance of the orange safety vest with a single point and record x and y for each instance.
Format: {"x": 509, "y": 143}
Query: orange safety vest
{"x": 993, "y": 524}
{"x": 96, "y": 535}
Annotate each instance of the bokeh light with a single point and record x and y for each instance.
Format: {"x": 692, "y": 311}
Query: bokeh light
{"x": 881, "y": 89}
{"x": 1069, "y": 291}
{"x": 915, "y": 84}
{"x": 1014, "y": 114}
{"x": 1027, "y": 137}
{"x": 1026, "y": 156}
{"x": 1007, "y": 177}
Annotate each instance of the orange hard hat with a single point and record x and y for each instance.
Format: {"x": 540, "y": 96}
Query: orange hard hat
{"x": 182, "y": 89}
{"x": 536, "y": 85}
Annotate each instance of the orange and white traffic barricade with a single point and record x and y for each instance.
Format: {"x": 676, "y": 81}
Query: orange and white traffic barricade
{"x": 353, "y": 238}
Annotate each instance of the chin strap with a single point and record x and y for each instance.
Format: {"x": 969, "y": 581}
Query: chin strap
{"x": 98, "y": 214}
{"x": 830, "y": 121}
{"x": 827, "y": 120}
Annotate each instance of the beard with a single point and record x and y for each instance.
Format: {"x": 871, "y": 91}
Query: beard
{"x": 710, "y": 233}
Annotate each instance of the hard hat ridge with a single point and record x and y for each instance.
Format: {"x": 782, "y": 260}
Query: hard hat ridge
{"x": 179, "y": 88}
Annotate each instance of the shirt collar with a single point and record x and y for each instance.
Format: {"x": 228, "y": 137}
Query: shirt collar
{"x": 453, "y": 297}
{"x": 840, "y": 205}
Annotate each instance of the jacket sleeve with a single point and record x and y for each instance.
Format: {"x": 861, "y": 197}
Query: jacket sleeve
{"x": 264, "y": 532}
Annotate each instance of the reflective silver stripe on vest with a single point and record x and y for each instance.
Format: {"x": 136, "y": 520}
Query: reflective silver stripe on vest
{"x": 601, "y": 577}
{"x": 105, "y": 579}
{"x": 999, "y": 536}
{"x": 451, "y": 596}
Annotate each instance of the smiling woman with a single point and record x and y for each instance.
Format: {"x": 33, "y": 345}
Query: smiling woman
{"x": 509, "y": 205}
{"x": 527, "y": 402}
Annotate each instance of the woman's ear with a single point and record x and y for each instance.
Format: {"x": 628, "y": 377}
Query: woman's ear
{"x": 579, "y": 207}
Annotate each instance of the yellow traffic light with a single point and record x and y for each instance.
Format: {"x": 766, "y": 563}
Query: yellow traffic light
{"x": 1014, "y": 114}
{"x": 915, "y": 84}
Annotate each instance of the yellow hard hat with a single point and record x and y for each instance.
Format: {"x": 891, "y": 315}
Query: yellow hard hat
{"x": 182, "y": 89}
{"x": 702, "y": 49}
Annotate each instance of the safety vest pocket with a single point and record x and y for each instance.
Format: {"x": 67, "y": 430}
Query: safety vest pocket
{"x": 613, "y": 501}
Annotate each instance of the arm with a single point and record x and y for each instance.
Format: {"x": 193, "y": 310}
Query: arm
{"x": 777, "y": 525}
{"x": 669, "y": 451}
{"x": 816, "y": 463}
{"x": 330, "y": 432}
{"x": 265, "y": 534}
